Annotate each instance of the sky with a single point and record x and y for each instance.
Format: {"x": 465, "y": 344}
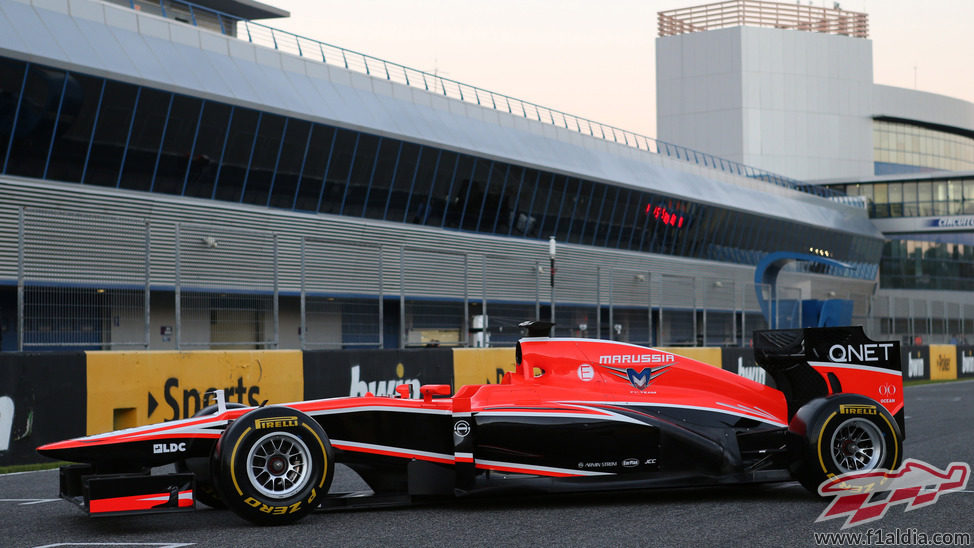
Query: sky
{"x": 596, "y": 58}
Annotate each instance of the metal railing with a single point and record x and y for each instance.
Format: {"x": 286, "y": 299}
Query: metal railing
{"x": 264, "y": 35}
{"x": 756, "y": 13}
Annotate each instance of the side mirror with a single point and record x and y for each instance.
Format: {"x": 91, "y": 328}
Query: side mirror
{"x": 430, "y": 390}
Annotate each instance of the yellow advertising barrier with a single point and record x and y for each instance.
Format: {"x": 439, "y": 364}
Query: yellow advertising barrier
{"x": 128, "y": 389}
{"x": 709, "y": 356}
{"x": 943, "y": 362}
{"x": 481, "y": 365}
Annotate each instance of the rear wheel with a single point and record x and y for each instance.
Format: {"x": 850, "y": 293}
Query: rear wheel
{"x": 274, "y": 465}
{"x": 840, "y": 434}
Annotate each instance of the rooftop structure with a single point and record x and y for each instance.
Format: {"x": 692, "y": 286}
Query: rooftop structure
{"x": 755, "y": 13}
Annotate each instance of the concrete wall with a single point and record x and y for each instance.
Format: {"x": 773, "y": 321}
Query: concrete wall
{"x": 792, "y": 102}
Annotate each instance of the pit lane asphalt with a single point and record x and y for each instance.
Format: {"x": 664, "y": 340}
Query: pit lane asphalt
{"x": 940, "y": 430}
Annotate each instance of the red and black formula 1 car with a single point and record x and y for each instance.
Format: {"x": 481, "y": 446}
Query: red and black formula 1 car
{"x": 575, "y": 415}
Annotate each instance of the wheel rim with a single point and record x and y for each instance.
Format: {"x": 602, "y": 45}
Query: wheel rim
{"x": 279, "y": 465}
{"x": 857, "y": 445}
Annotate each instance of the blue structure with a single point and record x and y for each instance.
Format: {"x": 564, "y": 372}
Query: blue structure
{"x": 814, "y": 313}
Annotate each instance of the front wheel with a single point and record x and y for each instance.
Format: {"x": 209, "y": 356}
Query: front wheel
{"x": 200, "y": 466}
{"x": 274, "y": 465}
{"x": 841, "y": 434}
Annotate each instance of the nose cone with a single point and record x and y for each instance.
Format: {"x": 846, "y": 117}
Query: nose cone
{"x": 73, "y": 450}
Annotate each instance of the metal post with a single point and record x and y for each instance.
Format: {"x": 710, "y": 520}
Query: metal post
{"x": 612, "y": 301}
{"x": 178, "y": 294}
{"x": 694, "y": 297}
{"x": 20, "y": 280}
{"x": 551, "y": 254}
{"x": 483, "y": 300}
{"x": 304, "y": 311}
{"x": 147, "y": 295}
{"x": 734, "y": 312}
{"x": 466, "y": 298}
{"x": 402, "y": 297}
{"x": 911, "y": 326}
{"x": 743, "y": 317}
{"x": 598, "y": 302}
{"x": 382, "y": 322}
{"x": 537, "y": 291}
{"x": 649, "y": 308}
{"x": 277, "y": 309}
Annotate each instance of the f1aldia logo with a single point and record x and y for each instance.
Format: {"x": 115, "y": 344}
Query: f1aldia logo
{"x": 638, "y": 379}
{"x": 862, "y": 497}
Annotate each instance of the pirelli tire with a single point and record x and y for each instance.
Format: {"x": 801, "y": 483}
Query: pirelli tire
{"x": 273, "y": 465}
{"x": 204, "y": 491}
{"x": 842, "y": 433}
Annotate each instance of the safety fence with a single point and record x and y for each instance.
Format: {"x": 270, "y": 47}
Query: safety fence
{"x": 195, "y": 286}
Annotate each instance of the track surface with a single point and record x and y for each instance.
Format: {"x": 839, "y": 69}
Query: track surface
{"x": 940, "y": 430}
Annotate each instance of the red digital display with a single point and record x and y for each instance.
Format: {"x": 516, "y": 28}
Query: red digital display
{"x": 665, "y": 216}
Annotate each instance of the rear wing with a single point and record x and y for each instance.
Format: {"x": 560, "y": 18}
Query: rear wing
{"x": 818, "y": 361}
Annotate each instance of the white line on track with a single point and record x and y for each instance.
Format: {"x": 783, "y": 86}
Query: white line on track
{"x": 27, "y": 472}
{"x": 27, "y": 502}
{"x": 159, "y": 544}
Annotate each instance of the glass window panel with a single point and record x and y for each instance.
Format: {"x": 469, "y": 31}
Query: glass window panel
{"x": 240, "y": 143}
{"x": 199, "y": 174}
{"x": 500, "y": 202}
{"x": 145, "y": 140}
{"x": 423, "y": 184}
{"x": 399, "y": 196}
{"x": 442, "y": 187}
{"x": 316, "y": 161}
{"x": 924, "y": 199}
{"x": 546, "y": 220}
{"x": 566, "y": 189}
{"x": 576, "y": 205}
{"x": 285, "y": 183}
{"x": 698, "y": 221}
{"x": 645, "y": 223}
{"x": 460, "y": 184}
{"x": 176, "y": 144}
{"x": 682, "y": 230}
{"x": 36, "y": 119}
{"x": 477, "y": 194}
{"x": 363, "y": 165}
{"x": 265, "y": 152}
{"x": 111, "y": 132}
{"x": 895, "y": 192}
{"x": 879, "y": 193}
{"x": 636, "y": 206}
{"x": 590, "y": 227}
{"x": 954, "y": 197}
{"x": 608, "y": 225}
{"x": 527, "y": 217}
{"x": 583, "y": 210}
{"x": 385, "y": 171}
{"x": 11, "y": 81}
{"x": 339, "y": 168}
{"x": 617, "y": 223}
{"x": 77, "y": 120}
{"x": 968, "y": 195}
{"x": 515, "y": 184}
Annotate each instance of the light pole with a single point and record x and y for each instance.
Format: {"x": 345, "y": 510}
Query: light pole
{"x": 551, "y": 254}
